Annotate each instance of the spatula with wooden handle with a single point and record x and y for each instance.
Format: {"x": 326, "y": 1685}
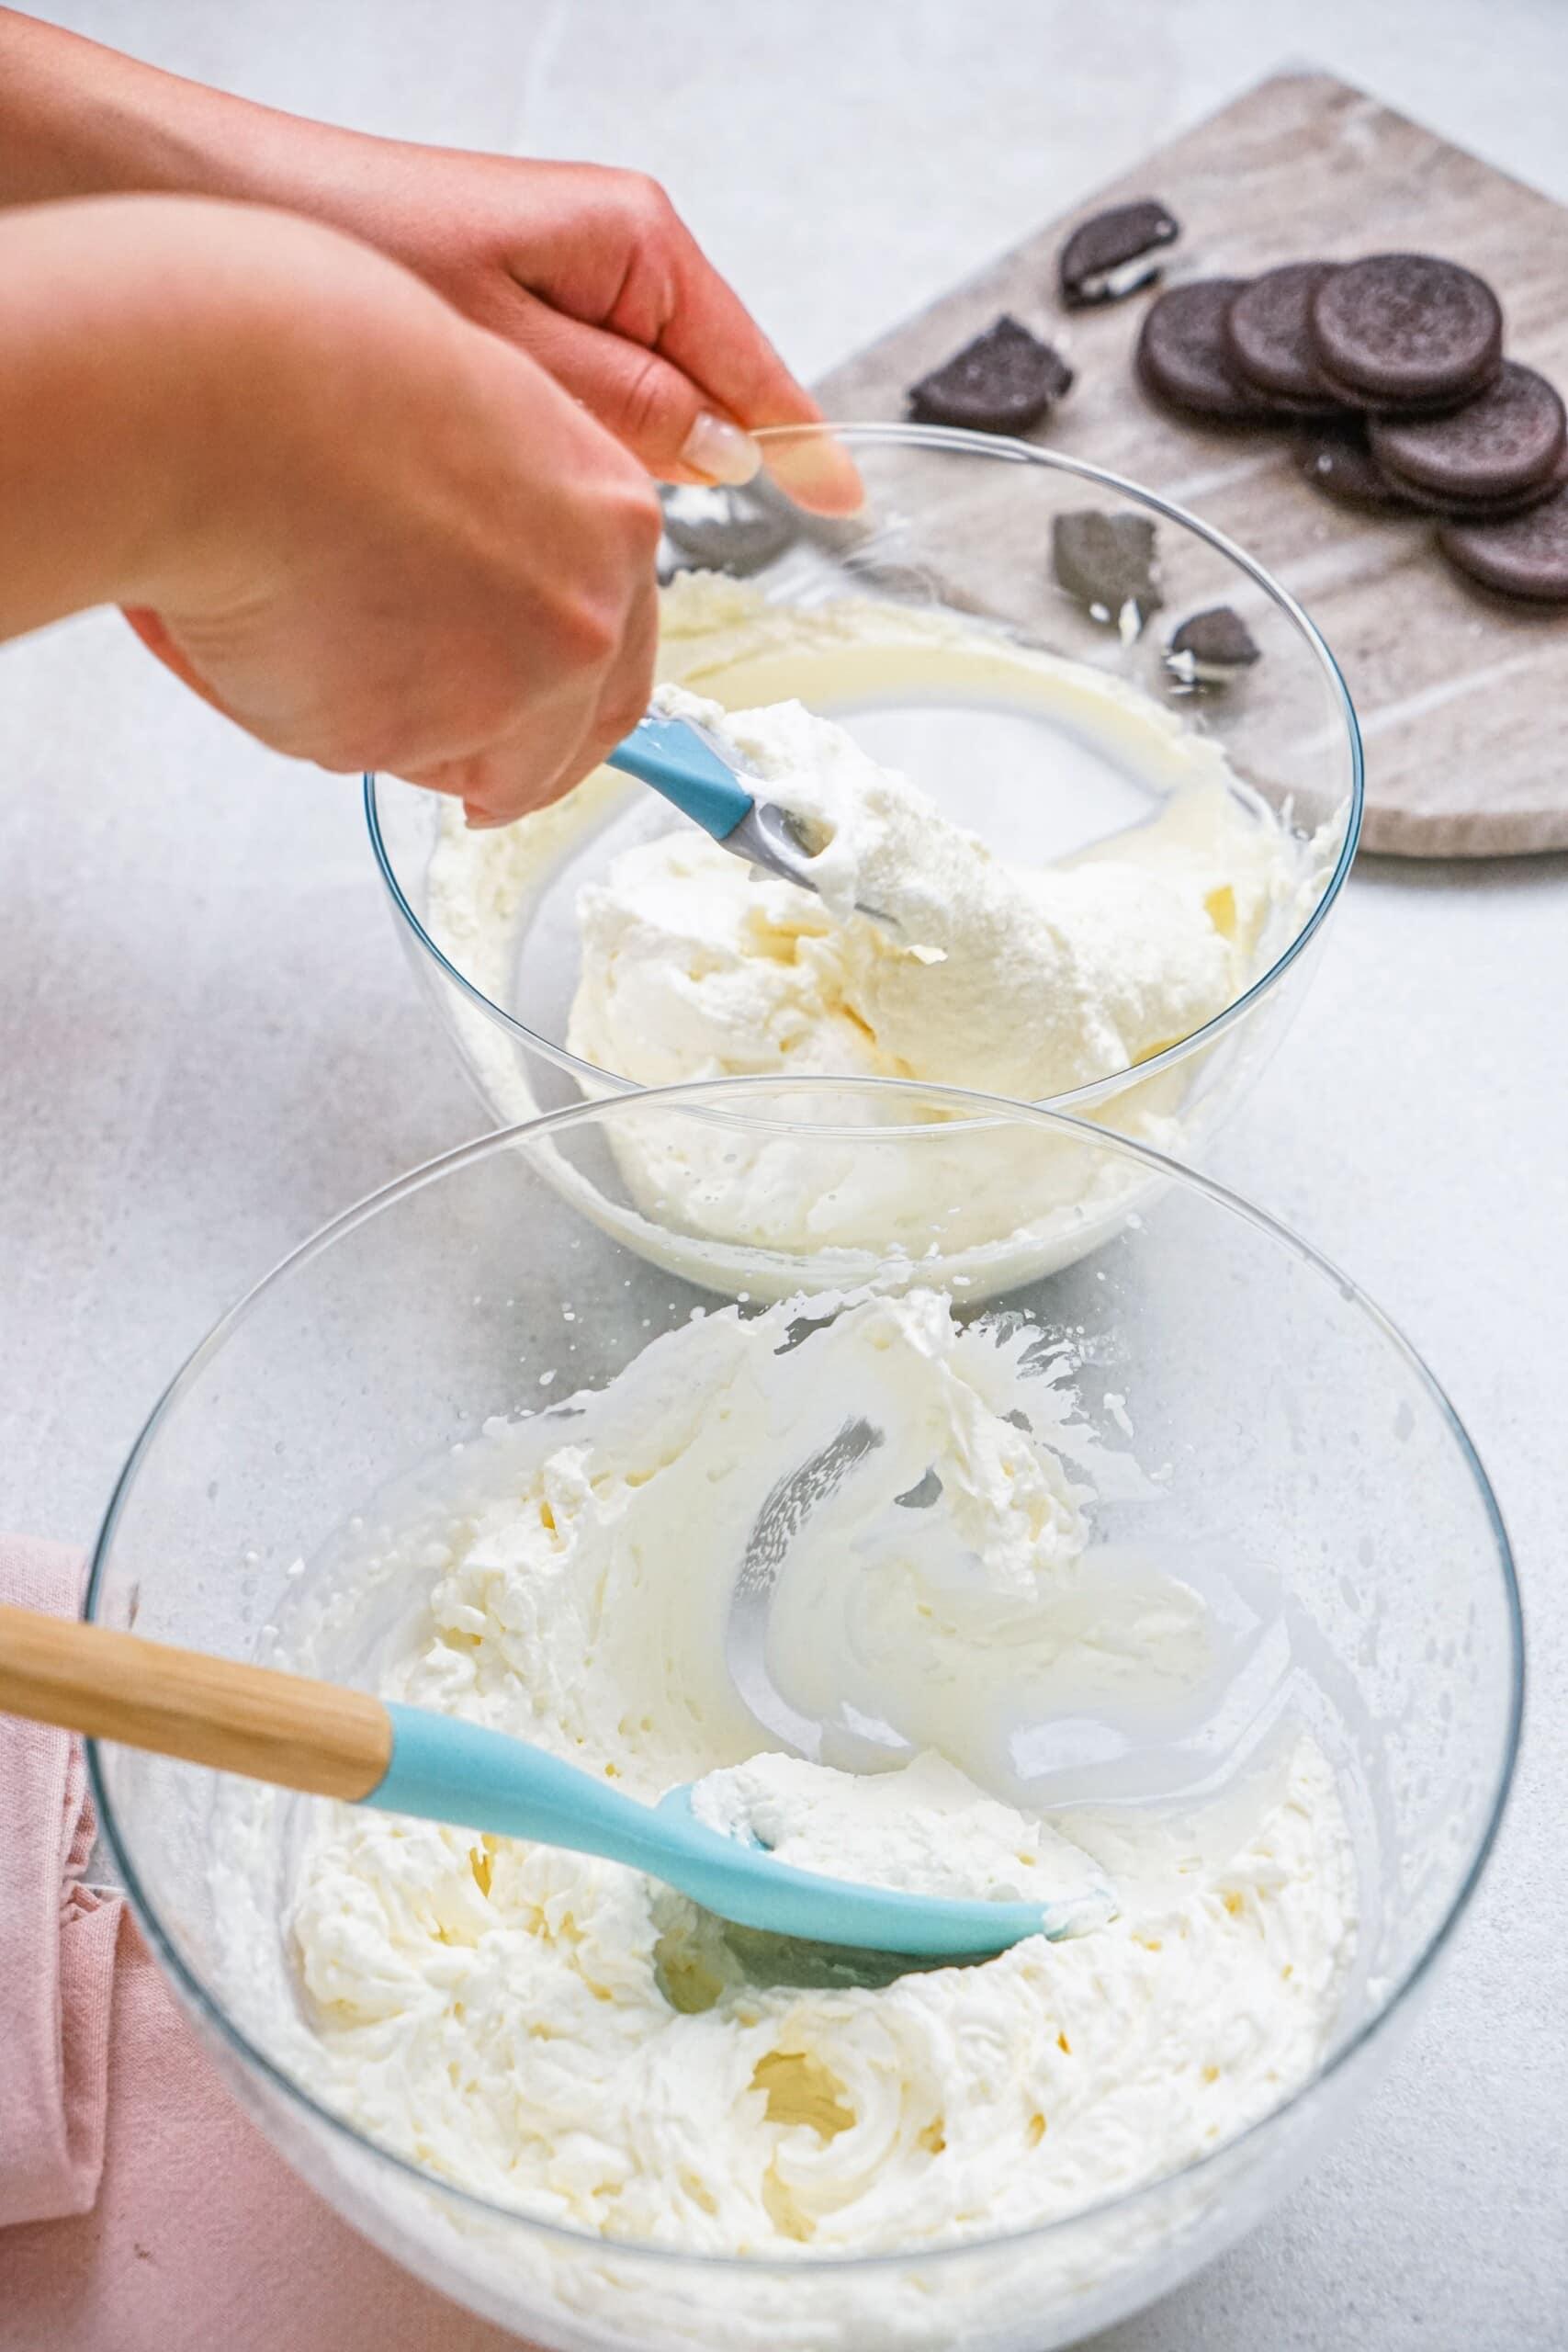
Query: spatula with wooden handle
{"x": 338, "y": 1743}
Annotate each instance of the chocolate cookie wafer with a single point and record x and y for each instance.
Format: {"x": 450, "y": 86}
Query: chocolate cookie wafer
{"x": 1269, "y": 337}
{"x": 1527, "y": 557}
{"x": 1183, "y": 358}
{"x": 1406, "y": 331}
{"x": 1501, "y": 443}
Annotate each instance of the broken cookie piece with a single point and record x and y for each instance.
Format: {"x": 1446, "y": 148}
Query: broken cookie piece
{"x": 1109, "y": 562}
{"x": 1211, "y": 648}
{"x": 1002, "y": 383}
{"x": 1115, "y": 253}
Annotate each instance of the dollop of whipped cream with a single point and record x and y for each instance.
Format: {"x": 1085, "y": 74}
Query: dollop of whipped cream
{"x": 1015, "y": 982}
{"x": 568, "y": 2038}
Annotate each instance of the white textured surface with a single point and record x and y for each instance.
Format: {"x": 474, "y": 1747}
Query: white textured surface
{"x": 207, "y": 1043}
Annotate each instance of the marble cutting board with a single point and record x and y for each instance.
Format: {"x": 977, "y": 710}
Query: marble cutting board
{"x": 1462, "y": 697}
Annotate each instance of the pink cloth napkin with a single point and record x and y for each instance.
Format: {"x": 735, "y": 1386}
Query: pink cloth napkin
{"x": 139, "y": 2210}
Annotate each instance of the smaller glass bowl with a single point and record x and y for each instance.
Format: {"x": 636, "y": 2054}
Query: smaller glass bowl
{"x": 956, "y": 524}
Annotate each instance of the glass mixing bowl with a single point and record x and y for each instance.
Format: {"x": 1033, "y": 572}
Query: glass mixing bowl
{"x": 956, "y": 536}
{"x": 1281, "y": 1419}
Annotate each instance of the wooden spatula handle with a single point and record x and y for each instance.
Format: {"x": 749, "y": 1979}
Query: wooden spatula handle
{"x": 249, "y": 1719}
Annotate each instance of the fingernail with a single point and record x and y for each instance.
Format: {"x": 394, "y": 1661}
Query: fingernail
{"x": 719, "y": 449}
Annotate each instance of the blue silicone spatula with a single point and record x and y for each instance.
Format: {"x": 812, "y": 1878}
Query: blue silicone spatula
{"x": 329, "y": 1741}
{"x": 687, "y": 765}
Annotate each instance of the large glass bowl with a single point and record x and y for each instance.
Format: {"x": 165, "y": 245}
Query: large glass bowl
{"x": 1284, "y": 1420}
{"x": 961, "y": 525}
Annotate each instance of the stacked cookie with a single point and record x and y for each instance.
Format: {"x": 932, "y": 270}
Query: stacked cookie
{"x": 1392, "y": 368}
{"x": 1397, "y": 364}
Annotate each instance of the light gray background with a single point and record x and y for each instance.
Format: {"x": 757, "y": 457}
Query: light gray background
{"x": 208, "y": 1043}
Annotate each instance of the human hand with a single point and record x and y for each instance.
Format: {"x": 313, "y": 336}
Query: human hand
{"x": 589, "y": 271}
{"x": 592, "y": 273}
{"x": 371, "y": 533}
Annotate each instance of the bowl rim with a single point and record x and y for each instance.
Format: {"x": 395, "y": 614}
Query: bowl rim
{"x": 209, "y": 2011}
{"x": 1009, "y": 450}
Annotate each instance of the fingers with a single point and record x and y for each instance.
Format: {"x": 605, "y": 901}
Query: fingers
{"x": 540, "y": 756}
{"x": 714, "y": 340}
{"x": 817, "y": 471}
{"x": 154, "y": 631}
{"x": 666, "y": 354}
{"x": 711, "y": 336}
{"x": 533, "y": 766}
{"x": 670, "y": 422}
{"x": 649, "y": 404}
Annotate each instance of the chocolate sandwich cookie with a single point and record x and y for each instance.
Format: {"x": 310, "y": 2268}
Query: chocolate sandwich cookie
{"x": 1486, "y": 510}
{"x": 1002, "y": 383}
{"x": 1268, "y": 336}
{"x": 1406, "y": 331}
{"x": 1108, "y": 561}
{"x": 1114, "y": 254}
{"x": 1527, "y": 557}
{"x": 1211, "y": 649}
{"x": 1506, "y": 441}
{"x": 1336, "y": 460}
{"x": 1183, "y": 358}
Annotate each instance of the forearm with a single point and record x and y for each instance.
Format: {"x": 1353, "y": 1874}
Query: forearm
{"x": 371, "y": 533}
{"x": 97, "y": 393}
{"x": 159, "y": 361}
{"x": 79, "y": 119}
{"x": 589, "y": 271}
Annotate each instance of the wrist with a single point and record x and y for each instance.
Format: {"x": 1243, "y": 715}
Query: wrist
{"x": 79, "y": 119}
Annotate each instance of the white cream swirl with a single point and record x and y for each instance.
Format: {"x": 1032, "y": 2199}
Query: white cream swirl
{"x": 561, "y": 2035}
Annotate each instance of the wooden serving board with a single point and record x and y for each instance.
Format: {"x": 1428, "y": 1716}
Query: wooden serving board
{"x": 1462, "y": 697}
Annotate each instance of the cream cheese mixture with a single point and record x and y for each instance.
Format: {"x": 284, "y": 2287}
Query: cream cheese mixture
{"x": 985, "y": 974}
{"x": 568, "y": 2038}
{"x": 1030, "y": 982}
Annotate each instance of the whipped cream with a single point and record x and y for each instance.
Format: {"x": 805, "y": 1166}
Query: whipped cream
{"x": 567, "y": 2038}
